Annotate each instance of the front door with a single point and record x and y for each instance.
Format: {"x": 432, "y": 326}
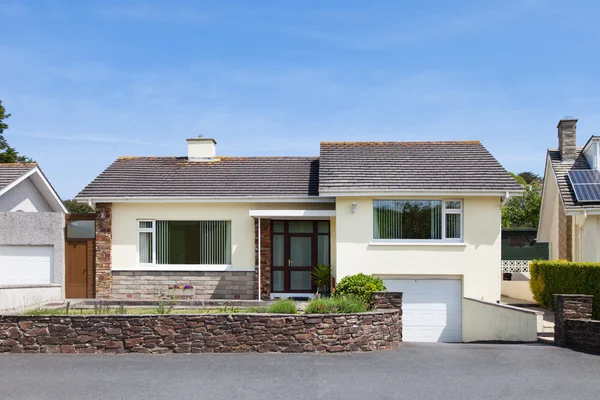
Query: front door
{"x": 297, "y": 247}
{"x": 76, "y": 270}
{"x": 79, "y": 256}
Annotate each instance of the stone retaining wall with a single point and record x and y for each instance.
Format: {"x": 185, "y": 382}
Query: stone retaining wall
{"x": 574, "y": 326}
{"x": 235, "y": 333}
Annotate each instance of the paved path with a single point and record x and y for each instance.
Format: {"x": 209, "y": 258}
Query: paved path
{"x": 451, "y": 371}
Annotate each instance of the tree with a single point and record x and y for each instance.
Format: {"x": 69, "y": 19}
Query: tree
{"x": 77, "y": 208}
{"x": 524, "y": 211}
{"x": 7, "y": 153}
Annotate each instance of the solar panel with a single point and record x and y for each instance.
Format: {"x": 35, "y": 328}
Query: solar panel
{"x": 586, "y": 184}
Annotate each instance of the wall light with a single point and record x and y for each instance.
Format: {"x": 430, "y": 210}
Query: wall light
{"x": 354, "y": 204}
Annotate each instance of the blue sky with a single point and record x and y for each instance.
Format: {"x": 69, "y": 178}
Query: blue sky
{"x": 88, "y": 81}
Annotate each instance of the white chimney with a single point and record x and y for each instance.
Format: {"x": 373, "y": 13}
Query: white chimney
{"x": 201, "y": 149}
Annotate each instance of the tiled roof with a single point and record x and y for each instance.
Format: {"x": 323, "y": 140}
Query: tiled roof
{"x": 411, "y": 166}
{"x": 10, "y": 172}
{"x": 224, "y": 177}
{"x": 561, "y": 168}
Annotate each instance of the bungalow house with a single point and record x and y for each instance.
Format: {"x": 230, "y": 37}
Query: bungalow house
{"x": 32, "y": 220}
{"x": 570, "y": 210}
{"x": 423, "y": 216}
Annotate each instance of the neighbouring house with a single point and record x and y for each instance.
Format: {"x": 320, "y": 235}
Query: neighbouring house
{"x": 32, "y": 244}
{"x": 423, "y": 216}
{"x": 570, "y": 210}
{"x": 519, "y": 247}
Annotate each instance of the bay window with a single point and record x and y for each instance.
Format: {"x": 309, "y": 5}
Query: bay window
{"x": 184, "y": 242}
{"x": 417, "y": 220}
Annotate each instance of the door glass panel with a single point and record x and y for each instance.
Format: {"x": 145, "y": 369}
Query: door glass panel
{"x": 301, "y": 251}
{"x": 323, "y": 255}
{"x": 278, "y": 281}
{"x": 278, "y": 226}
{"x": 84, "y": 229}
{"x": 323, "y": 226}
{"x": 300, "y": 280}
{"x": 301, "y": 227}
{"x": 278, "y": 251}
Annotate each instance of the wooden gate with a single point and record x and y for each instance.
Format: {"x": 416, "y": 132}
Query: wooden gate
{"x": 79, "y": 256}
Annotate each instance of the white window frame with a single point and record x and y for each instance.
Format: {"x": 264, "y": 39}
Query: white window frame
{"x": 146, "y": 230}
{"x": 175, "y": 267}
{"x": 426, "y": 241}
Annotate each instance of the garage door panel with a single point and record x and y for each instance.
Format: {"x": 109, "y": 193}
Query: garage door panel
{"x": 26, "y": 265}
{"x": 432, "y": 309}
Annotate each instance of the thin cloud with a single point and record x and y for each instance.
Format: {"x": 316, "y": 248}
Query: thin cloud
{"x": 154, "y": 13}
{"x": 97, "y": 139}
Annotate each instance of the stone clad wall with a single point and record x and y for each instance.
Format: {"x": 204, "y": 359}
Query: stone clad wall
{"x": 265, "y": 257}
{"x": 573, "y": 324}
{"x": 103, "y": 250}
{"x": 148, "y": 285}
{"x": 218, "y": 333}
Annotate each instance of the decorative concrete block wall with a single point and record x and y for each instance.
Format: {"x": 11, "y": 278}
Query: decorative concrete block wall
{"x": 573, "y": 326}
{"x": 235, "y": 333}
{"x": 148, "y": 285}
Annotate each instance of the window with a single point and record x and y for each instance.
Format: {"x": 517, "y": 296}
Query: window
{"x": 417, "y": 220}
{"x": 184, "y": 242}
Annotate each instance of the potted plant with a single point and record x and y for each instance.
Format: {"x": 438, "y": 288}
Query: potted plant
{"x": 321, "y": 275}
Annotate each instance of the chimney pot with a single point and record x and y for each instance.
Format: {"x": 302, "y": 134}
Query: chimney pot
{"x": 201, "y": 149}
{"x": 567, "y": 138}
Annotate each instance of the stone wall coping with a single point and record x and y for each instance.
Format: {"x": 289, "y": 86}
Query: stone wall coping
{"x": 573, "y": 295}
{"x": 269, "y": 315}
{"x": 509, "y": 307}
{"x": 31, "y": 286}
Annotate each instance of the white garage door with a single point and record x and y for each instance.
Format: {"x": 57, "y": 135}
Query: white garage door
{"x": 432, "y": 309}
{"x": 26, "y": 265}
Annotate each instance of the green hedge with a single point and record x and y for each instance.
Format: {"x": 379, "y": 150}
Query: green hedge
{"x": 565, "y": 277}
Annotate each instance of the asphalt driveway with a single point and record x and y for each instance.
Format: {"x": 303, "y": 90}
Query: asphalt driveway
{"x": 450, "y": 371}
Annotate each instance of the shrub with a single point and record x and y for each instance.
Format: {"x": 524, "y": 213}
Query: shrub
{"x": 361, "y": 286}
{"x": 283, "y": 307}
{"x": 335, "y": 305}
{"x": 565, "y": 277}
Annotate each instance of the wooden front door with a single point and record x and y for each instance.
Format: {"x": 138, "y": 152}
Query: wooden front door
{"x": 297, "y": 247}
{"x": 77, "y": 270}
{"x": 79, "y": 256}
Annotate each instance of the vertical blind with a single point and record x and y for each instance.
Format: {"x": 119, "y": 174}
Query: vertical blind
{"x": 188, "y": 242}
{"x": 407, "y": 219}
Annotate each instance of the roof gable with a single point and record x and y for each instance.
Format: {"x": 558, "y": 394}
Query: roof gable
{"x": 11, "y": 174}
{"x": 462, "y": 166}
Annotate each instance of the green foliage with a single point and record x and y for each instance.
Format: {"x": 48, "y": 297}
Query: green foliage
{"x": 286, "y": 306}
{"x": 321, "y": 275}
{"x": 335, "y": 305}
{"x": 528, "y": 177}
{"x": 523, "y": 211}
{"x": 7, "y": 153}
{"x": 77, "y": 208}
{"x": 165, "y": 303}
{"x": 565, "y": 277}
{"x": 227, "y": 309}
{"x": 361, "y": 286}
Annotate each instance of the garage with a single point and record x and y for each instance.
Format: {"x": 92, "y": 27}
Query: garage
{"x": 21, "y": 265}
{"x": 432, "y": 308}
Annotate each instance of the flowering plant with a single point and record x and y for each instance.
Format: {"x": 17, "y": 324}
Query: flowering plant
{"x": 181, "y": 287}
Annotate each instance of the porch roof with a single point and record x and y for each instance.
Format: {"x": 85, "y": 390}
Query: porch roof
{"x": 293, "y": 214}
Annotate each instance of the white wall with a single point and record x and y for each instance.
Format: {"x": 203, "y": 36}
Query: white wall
{"x": 477, "y": 262}
{"x": 18, "y": 298}
{"x": 24, "y": 197}
{"x": 484, "y": 321}
{"x": 125, "y": 216}
{"x": 519, "y": 290}
{"x": 548, "y": 225}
